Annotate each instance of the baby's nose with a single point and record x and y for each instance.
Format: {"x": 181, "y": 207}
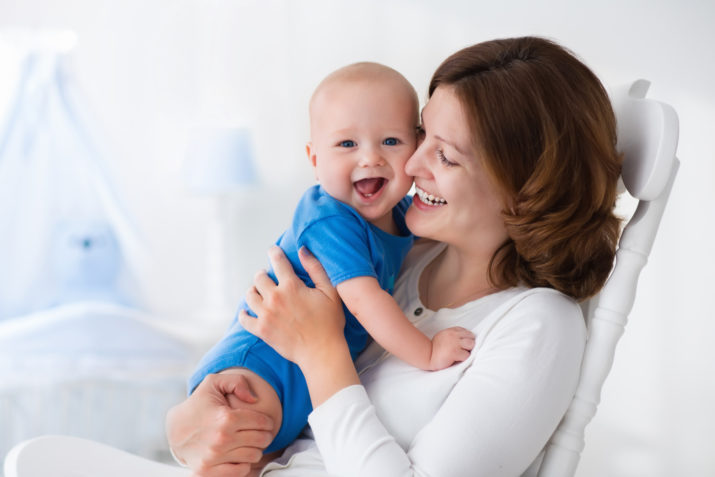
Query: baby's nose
{"x": 371, "y": 157}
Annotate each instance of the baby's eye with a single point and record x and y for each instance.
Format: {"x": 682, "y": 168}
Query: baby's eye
{"x": 347, "y": 143}
{"x": 391, "y": 141}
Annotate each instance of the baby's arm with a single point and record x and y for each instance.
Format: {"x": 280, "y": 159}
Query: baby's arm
{"x": 382, "y": 317}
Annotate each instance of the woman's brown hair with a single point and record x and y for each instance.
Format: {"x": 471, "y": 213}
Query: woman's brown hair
{"x": 544, "y": 126}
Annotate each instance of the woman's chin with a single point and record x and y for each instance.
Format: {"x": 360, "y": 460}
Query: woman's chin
{"x": 419, "y": 223}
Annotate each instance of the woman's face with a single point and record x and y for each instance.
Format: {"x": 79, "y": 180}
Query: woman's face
{"x": 456, "y": 201}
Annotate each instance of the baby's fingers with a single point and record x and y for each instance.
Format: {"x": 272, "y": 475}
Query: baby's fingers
{"x": 467, "y": 343}
{"x": 463, "y": 332}
{"x": 461, "y": 355}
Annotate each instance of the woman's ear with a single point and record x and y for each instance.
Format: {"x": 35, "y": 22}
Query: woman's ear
{"x": 312, "y": 158}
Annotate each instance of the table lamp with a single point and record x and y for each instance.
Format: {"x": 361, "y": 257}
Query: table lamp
{"x": 219, "y": 163}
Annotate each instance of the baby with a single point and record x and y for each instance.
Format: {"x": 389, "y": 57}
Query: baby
{"x": 363, "y": 128}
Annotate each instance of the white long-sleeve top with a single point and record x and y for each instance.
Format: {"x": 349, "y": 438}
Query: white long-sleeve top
{"x": 490, "y": 415}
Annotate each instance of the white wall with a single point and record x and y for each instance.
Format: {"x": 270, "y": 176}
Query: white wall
{"x": 152, "y": 68}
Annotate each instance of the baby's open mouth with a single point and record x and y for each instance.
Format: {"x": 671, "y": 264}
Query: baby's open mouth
{"x": 369, "y": 187}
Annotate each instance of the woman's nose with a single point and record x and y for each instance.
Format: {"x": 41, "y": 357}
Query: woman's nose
{"x": 415, "y": 165}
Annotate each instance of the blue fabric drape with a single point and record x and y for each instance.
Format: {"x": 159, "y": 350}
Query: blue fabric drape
{"x": 60, "y": 218}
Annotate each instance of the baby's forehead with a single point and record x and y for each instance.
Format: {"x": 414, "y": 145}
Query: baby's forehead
{"x": 359, "y": 74}
{"x": 350, "y": 102}
{"x": 362, "y": 86}
{"x": 363, "y": 71}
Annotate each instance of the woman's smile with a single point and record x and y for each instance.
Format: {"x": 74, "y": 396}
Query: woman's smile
{"x": 425, "y": 198}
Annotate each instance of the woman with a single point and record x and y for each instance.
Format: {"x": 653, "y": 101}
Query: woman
{"x": 519, "y": 142}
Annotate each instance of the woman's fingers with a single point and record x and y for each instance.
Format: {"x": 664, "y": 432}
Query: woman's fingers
{"x": 243, "y": 454}
{"x": 266, "y": 328}
{"x": 281, "y": 265}
{"x": 254, "y": 300}
{"x": 251, "y": 324}
{"x": 291, "y": 315}
{"x": 262, "y": 282}
{"x": 217, "y": 431}
{"x": 249, "y": 420}
{"x": 216, "y": 458}
{"x": 254, "y": 439}
{"x": 316, "y": 271}
{"x": 236, "y": 385}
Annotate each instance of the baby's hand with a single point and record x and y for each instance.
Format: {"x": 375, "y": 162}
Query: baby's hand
{"x": 450, "y": 346}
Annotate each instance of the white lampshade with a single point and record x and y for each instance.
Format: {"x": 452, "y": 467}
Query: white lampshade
{"x": 219, "y": 160}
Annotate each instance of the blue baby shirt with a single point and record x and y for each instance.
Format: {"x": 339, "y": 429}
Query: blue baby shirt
{"x": 348, "y": 247}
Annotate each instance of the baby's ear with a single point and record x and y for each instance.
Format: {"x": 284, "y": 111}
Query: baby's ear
{"x": 312, "y": 157}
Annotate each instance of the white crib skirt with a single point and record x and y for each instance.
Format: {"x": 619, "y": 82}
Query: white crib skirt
{"x": 90, "y": 370}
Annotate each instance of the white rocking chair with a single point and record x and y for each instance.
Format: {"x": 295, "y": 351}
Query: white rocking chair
{"x": 648, "y": 136}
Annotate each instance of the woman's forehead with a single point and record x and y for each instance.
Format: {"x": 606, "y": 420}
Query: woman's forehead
{"x": 446, "y": 119}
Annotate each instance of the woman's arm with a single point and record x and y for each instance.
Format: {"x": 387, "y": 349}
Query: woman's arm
{"x": 494, "y": 420}
{"x": 384, "y": 320}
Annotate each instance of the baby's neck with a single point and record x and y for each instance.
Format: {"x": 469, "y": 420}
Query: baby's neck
{"x": 386, "y": 223}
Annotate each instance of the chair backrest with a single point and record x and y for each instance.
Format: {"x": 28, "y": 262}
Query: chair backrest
{"x": 648, "y": 137}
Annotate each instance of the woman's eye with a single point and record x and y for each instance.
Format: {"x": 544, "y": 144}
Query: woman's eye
{"x": 347, "y": 143}
{"x": 391, "y": 141}
{"x": 443, "y": 159}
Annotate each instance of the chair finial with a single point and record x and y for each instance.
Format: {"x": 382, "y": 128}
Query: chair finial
{"x": 639, "y": 88}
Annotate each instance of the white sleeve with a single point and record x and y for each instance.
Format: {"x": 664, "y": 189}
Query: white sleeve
{"x": 495, "y": 420}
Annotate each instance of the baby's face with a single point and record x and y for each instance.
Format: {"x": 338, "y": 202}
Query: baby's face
{"x": 362, "y": 135}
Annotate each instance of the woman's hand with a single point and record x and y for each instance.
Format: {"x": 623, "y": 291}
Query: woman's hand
{"x": 293, "y": 318}
{"x": 303, "y": 324}
{"x": 215, "y": 438}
